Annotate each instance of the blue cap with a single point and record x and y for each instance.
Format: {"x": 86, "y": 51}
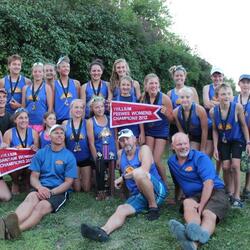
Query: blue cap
{"x": 244, "y": 76}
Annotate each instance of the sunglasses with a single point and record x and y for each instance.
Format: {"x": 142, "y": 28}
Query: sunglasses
{"x": 124, "y": 131}
{"x": 37, "y": 64}
{"x": 20, "y": 110}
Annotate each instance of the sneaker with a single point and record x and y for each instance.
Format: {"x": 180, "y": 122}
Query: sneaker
{"x": 12, "y": 226}
{"x": 2, "y": 229}
{"x": 94, "y": 233}
{"x": 246, "y": 194}
{"x": 153, "y": 214}
{"x": 237, "y": 203}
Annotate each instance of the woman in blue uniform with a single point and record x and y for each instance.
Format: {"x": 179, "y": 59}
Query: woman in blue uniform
{"x": 65, "y": 90}
{"x": 49, "y": 120}
{"x": 14, "y": 83}
{"x": 230, "y": 137}
{"x": 179, "y": 75}
{"x": 21, "y": 136}
{"x": 77, "y": 143}
{"x": 191, "y": 118}
{"x": 95, "y": 86}
{"x": 157, "y": 133}
{"x": 37, "y": 98}
{"x": 244, "y": 99}
{"x": 125, "y": 95}
{"x": 97, "y": 127}
{"x": 120, "y": 69}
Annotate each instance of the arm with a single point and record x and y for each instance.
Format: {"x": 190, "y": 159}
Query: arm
{"x": 78, "y": 87}
{"x": 35, "y": 146}
{"x": 167, "y": 108}
{"x": 195, "y": 95}
{"x": 204, "y": 127}
{"x": 2, "y": 83}
{"x": 110, "y": 96}
{"x": 27, "y": 81}
{"x": 137, "y": 90}
{"x": 241, "y": 117}
{"x": 7, "y": 137}
{"x": 63, "y": 187}
{"x": 24, "y": 96}
{"x": 207, "y": 189}
{"x": 91, "y": 138}
{"x": 142, "y": 134}
{"x": 83, "y": 93}
{"x": 215, "y": 135}
{"x": 50, "y": 98}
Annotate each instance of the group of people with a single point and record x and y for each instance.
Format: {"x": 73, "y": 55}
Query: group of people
{"x": 67, "y": 120}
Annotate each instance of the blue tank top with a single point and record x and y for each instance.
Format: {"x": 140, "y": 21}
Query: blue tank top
{"x": 211, "y": 92}
{"x": 135, "y": 128}
{"x": 90, "y": 93}
{"x": 117, "y": 92}
{"x": 38, "y": 108}
{"x": 17, "y": 94}
{"x": 135, "y": 163}
{"x": 98, "y": 140}
{"x": 43, "y": 139}
{"x": 159, "y": 128}
{"x": 246, "y": 108}
{"x": 61, "y": 103}
{"x": 174, "y": 99}
{"x": 233, "y": 130}
{"x": 15, "y": 142}
{"x": 84, "y": 154}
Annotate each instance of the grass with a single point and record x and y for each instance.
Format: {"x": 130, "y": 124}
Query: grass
{"x": 62, "y": 230}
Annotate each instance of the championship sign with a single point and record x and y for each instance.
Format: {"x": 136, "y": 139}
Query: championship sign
{"x": 12, "y": 159}
{"x": 128, "y": 113}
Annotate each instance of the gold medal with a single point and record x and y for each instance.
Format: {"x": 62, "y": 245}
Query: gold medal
{"x": 34, "y": 106}
{"x": 66, "y": 102}
{"x": 77, "y": 147}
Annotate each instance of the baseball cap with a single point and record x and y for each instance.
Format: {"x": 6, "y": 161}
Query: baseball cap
{"x": 54, "y": 127}
{"x": 244, "y": 76}
{"x": 2, "y": 90}
{"x": 216, "y": 69}
{"x": 125, "y": 133}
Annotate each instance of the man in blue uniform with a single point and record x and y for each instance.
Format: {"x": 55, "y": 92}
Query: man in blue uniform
{"x": 205, "y": 203}
{"x": 53, "y": 170}
{"x": 142, "y": 179}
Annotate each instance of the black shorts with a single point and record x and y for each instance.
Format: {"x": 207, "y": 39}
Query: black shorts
{"x": 230, "y": 150}
{"x": 173, "y": 130}
{"x": 158, "y": 137}
{"x": 85, "y": 163}
{"x": 57, "y": 201}
{"x": 197, "y": 138}
{"x": 217, "y": 204}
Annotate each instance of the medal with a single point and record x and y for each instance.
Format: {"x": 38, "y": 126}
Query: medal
{"x": 224, "y": 139}
{"x": 224, "y": 124}
{"x": 66, "y": 102}
{"x": 77, "y": 147}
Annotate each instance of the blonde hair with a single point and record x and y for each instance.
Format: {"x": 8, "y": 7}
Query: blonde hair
{"x": 222, "y": 86}
{"x": 114, "y": 79}
{"x": 186, "y": 90}
{"x": 147, "y": 78}
{"x": 72, "y": 104}
{"x": 126, "y": 78}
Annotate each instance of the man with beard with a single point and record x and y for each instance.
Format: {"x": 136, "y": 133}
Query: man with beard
{"x": 205, "y": 202}
{"x": 142, "y": 179}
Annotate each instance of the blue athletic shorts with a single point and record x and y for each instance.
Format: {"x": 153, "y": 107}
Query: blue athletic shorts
{"x": 140, "y": 203}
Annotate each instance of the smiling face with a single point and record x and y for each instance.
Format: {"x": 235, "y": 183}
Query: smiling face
{"x": 77, "y": 109}
{"x": 57, "y": 137}
{"x": 64, "y": 68}
{"x": 121, "y": 69}
{"x": 37, "y": 73}
{"x": 128, "y": 143}
{"x": 153, "y": 85}
{"x": 15, "y": 67}
{"x": 3, "y": 99}
{"x": 225, "y": 95}
{"x": 181, "y": 145}
{"x": 49, "y": 72}
{"x": 179, "y": 78}
{"x": 217, "y": 78}
{"x": 50, "y": 120}
{"x": 125, "y": 87}
{"x": 98, "y": 108}
{"x": 96, "y": 72}
{"x": 244, "y": 85}
{"x": 22, "y": 120}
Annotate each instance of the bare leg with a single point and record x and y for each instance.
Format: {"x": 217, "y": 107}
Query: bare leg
{"x": 25, "y": 209}
{"x": 40, "y": 210}
{"x": 208, "y": 222}
{"x": 85, "y": 174}
{"x": 5, "y": 194}
{"x": 15, "y": 185}
{"x": 77, "y": 182}
{"x": 236, "y": 177}
{"x": 209, "y": 148}
{"x": 191, "y": 214}
{"x": 158, "y": 151}
{"x": 118, "y": 218}
{"x": 226, "y": 165}
{"x": 247, "y": 185}
{"x": 150, "y": 141}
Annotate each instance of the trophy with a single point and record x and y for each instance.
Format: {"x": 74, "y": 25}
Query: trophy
{"x": 105, "y": 134}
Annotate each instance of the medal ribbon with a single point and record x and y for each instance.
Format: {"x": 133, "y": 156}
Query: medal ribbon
{"x": 76, "y": 135}
{"x": 35, "y": 94}
{"x": 12, "y": 90}
{"x": 23, "y": 143}
{"x": 245, "y": 107}
{"x": 98, "y": 89}
{"x": 65, "y": 90}
{"x": 187, "y": 121}
{"x": 224, "y": 122}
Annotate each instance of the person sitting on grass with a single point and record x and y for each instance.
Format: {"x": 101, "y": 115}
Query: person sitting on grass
{"x": 141, "y": 177}
{"x": 205, "y": 203}
{"x": 53, "y": 171}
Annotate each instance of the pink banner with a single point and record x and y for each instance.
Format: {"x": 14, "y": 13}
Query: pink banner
{"x": 128, "y": 113}
{"x": 12, "y": 159}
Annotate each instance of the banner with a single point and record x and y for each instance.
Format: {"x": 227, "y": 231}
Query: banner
{"x": 12, "y": 159}
{"x": 128, "y": 113}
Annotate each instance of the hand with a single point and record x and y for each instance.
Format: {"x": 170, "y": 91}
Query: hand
{"x": 118, "y": 183}
{"x": 163, "y": 109}
{"x": 129, "y": 175}
{"x": 14, "y": 104}
{"x": 43, "y": 193}
{"x": 216, "y": 155}
{"x": 248, "y": 149}
{"x": 4, "y": 145}
{"x": 34, "y": 148}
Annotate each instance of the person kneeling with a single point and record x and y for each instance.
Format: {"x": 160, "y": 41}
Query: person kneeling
{"x": 142, "y": 179}
{"x": 53, "y": 171}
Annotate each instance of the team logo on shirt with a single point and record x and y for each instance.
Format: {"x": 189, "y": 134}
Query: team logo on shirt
{"x": 228, "y": 126}
{"x": 30, "y": 98}
{"x": 17, "y": 90}
{"x": 129, "y": 169}
{"x": 81, "y": 137}
{"x": 59, "y": 162}
{"x": 178, "y": 101}
{"x": 189, "y": 169}
{"x": 69, "y": 95}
